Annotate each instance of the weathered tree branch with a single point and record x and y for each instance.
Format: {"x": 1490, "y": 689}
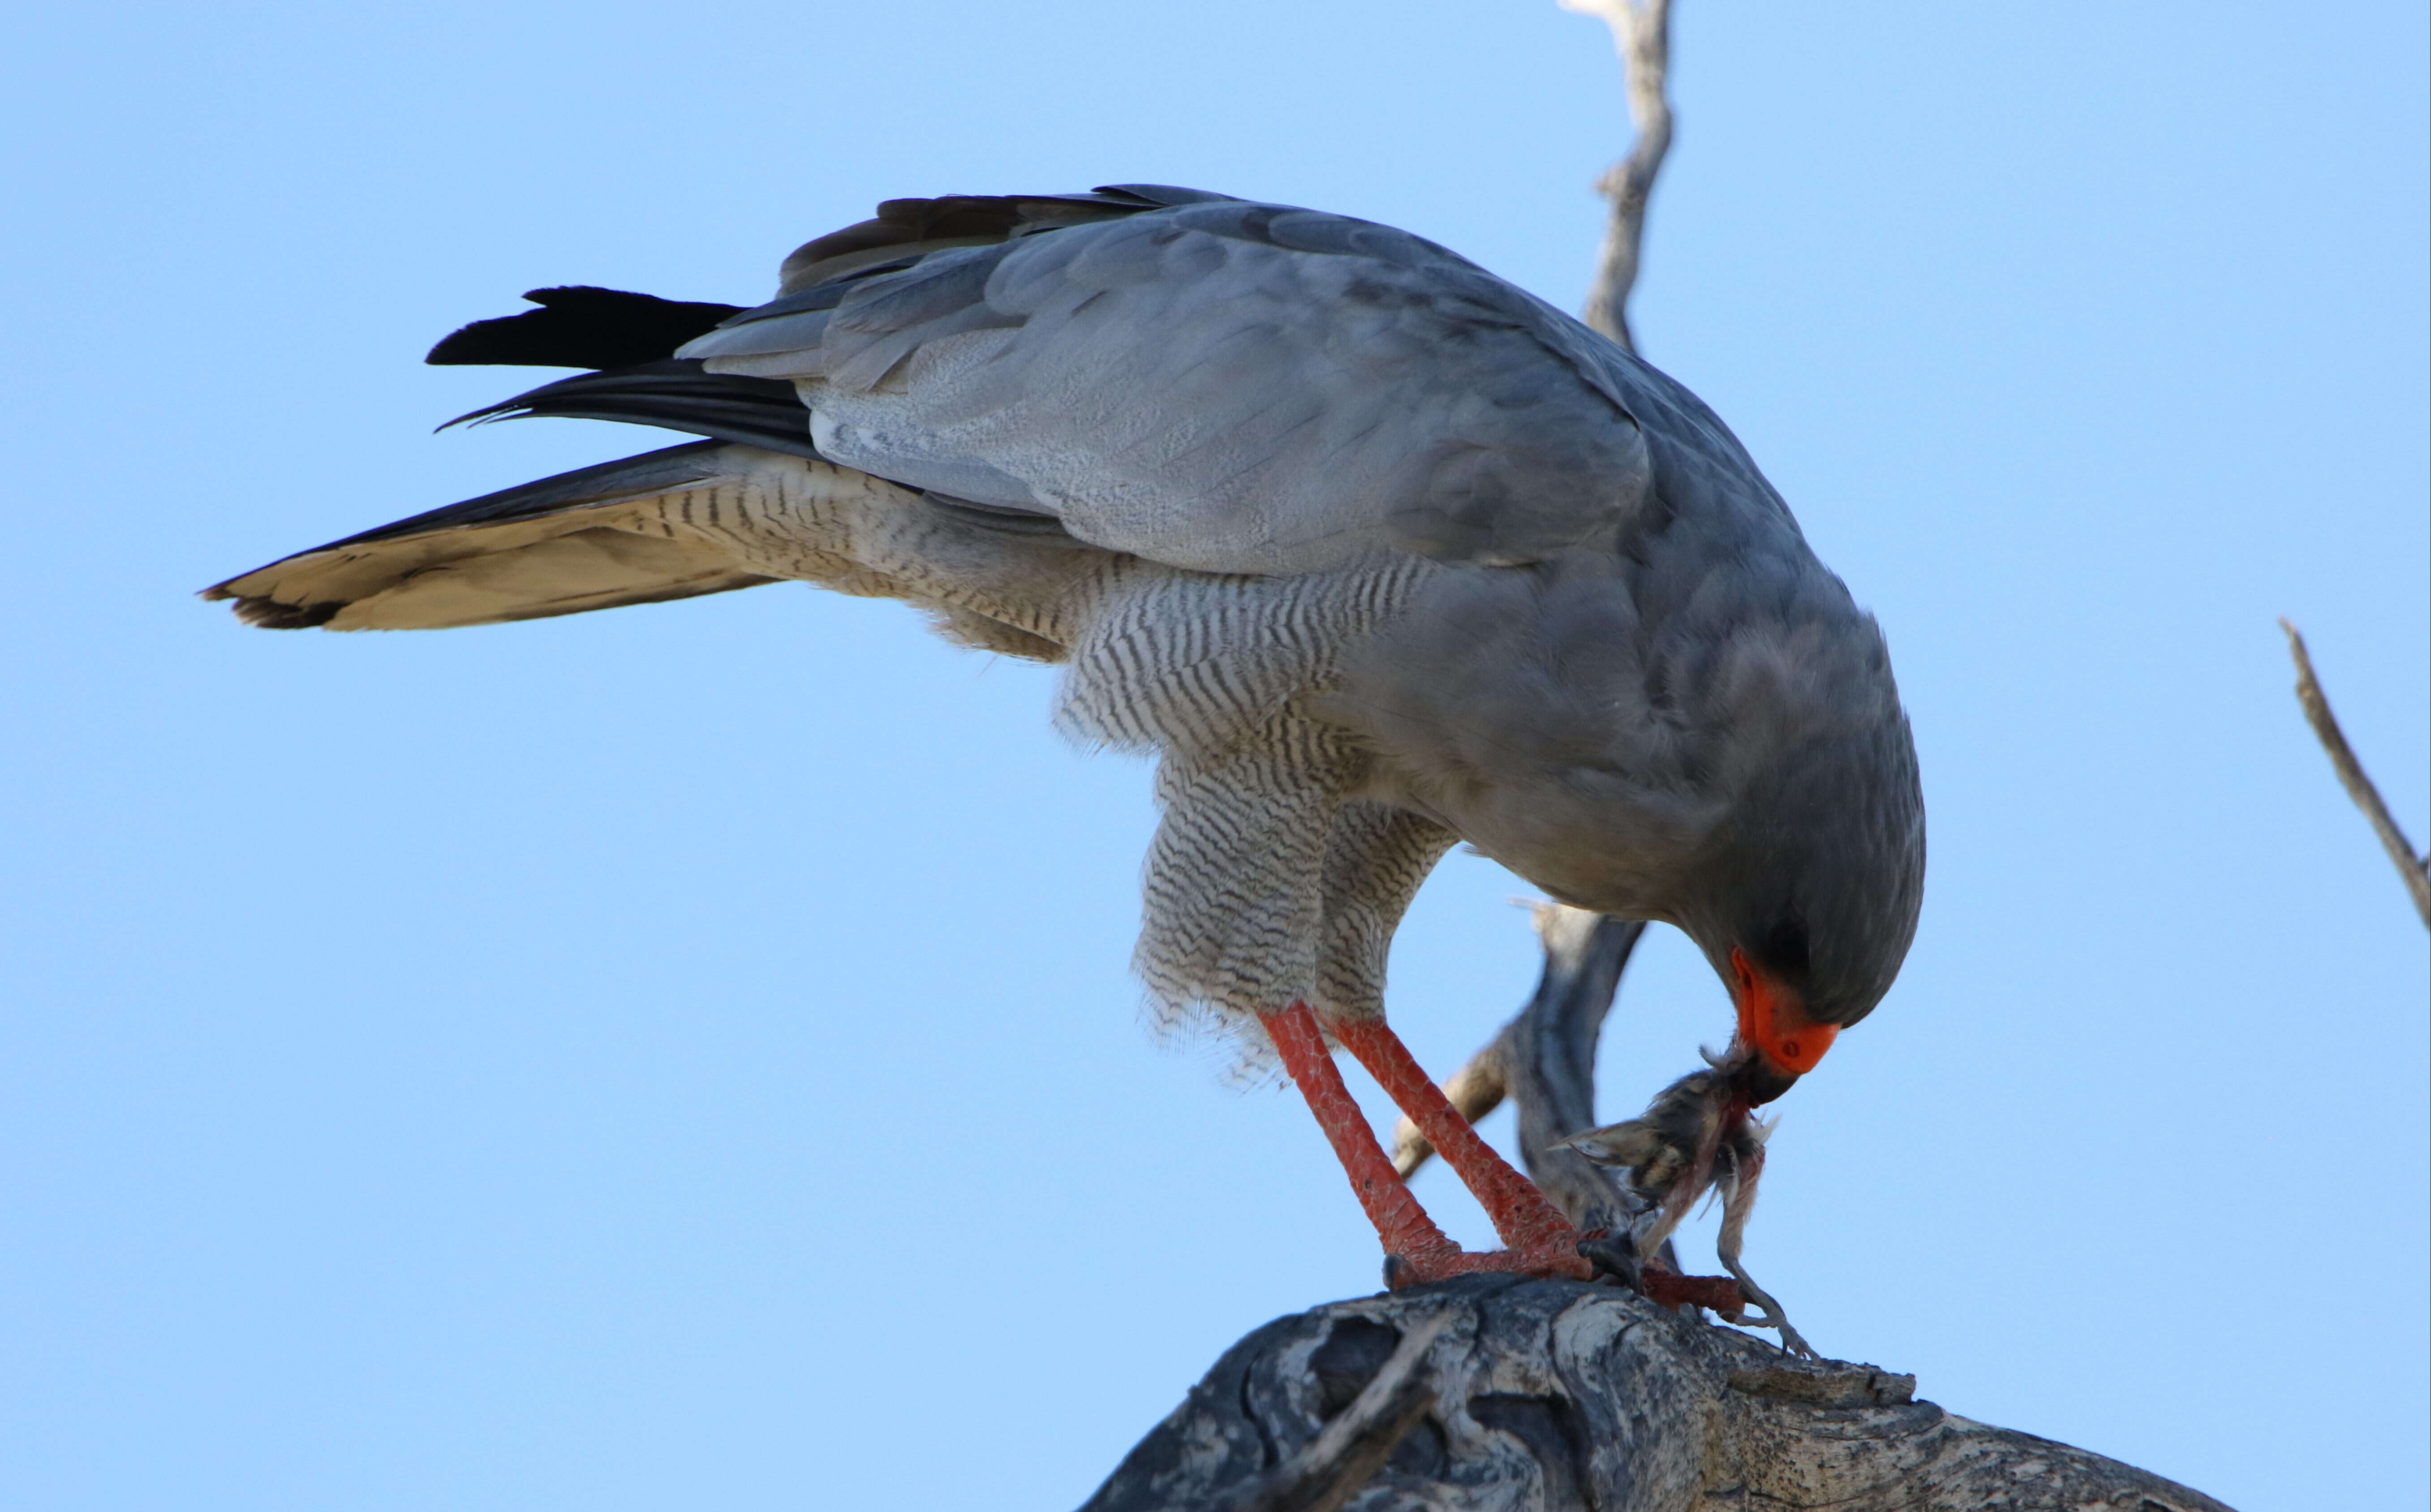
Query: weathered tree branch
{"x": 1556, "y": 1396}
{"x": 1641, "y": 33}
{"x": 2415, "y": 868}
{"x": 1349, "y": 1451}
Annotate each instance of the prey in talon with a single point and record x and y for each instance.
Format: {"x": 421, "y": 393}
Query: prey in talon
{"x": 1701, "y": 1135}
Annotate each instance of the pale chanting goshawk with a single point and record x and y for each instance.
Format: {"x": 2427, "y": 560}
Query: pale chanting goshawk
{"x": 1374, "y": 551}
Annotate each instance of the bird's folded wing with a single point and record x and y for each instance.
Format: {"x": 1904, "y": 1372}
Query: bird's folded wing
{"x": 596, "y": 538}
{"x": 1213, "y": 384}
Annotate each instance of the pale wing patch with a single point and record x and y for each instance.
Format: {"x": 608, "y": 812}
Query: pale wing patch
{"x": 640, "y": 548}
{"x": 599, "y": 567}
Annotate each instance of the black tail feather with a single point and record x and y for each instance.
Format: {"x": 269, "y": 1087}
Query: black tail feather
{"x": 581, "y": 326}
{"x": 675, "y": 395}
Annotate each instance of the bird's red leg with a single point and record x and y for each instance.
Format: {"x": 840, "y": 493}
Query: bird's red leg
{"x": 1409, "y": 1235}
{"x": 1417, "y": 1251}
{"x": 1527, "y": 1223}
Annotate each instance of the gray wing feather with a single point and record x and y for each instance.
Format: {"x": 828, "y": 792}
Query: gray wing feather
{"x": 1223, "y": 386}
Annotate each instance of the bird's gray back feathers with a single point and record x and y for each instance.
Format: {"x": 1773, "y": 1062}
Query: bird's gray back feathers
{"x": 1221, "y": 386}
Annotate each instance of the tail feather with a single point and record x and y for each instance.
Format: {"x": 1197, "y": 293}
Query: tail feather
{"x": 581, "y": 326}
{"x": 632, "y": 338}
{"x": 623, "y": 533}
{"x": 673, "y": 396}
{"x": 596, "y": 538}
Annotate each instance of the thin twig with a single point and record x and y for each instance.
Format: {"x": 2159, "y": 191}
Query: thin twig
{"x": 1641, "y": 33}
{"x": 2415, "y": 868}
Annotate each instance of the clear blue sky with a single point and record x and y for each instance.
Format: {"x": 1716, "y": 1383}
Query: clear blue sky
{"x": 684, "y": 1057}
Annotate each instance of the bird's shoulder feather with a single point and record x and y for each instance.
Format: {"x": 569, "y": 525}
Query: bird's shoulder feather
{"x": 1211, "y": 383}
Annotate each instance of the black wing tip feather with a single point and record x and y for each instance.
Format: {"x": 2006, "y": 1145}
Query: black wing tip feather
{"x": 580, "y": 326}
{"x": 1164, "y": 194}
{"x": 930, "y": 223}
{"x": 269, "y": 614}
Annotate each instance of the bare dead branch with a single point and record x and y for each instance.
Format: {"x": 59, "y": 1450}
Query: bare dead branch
{"x": 2351, "y": 776}
{"x": 1641, "y": 33}
{"x": 1562, "y": 1396}
{"x": 1347, "y": 1451}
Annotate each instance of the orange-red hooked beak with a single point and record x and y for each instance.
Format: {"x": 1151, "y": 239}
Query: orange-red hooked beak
{"x": 1773, "y": 1017}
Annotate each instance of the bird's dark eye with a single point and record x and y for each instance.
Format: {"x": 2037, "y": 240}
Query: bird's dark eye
{"x": 1783, "y": 948}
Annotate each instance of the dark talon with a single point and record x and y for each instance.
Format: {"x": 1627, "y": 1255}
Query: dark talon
{"x": 1614, "y": 1254}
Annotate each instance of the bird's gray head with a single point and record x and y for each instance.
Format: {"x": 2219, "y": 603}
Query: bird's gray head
{"x": 1808, "y": 892}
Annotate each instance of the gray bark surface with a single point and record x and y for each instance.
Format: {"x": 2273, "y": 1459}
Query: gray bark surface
{"x": 1505, "y": 1394}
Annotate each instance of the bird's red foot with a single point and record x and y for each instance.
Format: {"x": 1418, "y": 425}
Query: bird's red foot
{"x": 1719, "y": 1293}
{"x": 1554, "y": 1257}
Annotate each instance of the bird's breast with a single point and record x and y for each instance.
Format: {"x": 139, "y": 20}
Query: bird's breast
{"x": 1517, "y": 707}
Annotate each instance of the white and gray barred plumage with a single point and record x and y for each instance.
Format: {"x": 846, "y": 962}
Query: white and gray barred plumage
{"x": 1374, "y": 551}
